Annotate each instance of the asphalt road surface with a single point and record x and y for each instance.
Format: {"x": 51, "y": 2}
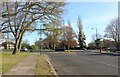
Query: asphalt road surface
{"x": 84, "y": 63}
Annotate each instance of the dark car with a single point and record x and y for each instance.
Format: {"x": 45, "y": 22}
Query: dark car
{"x": 60, "y": 49}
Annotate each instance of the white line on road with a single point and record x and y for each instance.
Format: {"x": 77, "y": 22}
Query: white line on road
{"x": 107, "y": 64}
{"x": 101, "y": 62}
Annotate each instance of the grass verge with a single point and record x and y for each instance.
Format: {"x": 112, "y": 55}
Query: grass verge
{"x": 9, "y": 61}
{"x": 43, "y": 67}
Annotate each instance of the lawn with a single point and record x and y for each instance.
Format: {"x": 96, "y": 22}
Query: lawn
{"x": 9, "y": 61}
{"x": 43, "y": 67}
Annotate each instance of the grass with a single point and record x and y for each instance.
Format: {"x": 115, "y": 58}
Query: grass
{"x": 43, "y": 67}
{"x": 9, "y": 61}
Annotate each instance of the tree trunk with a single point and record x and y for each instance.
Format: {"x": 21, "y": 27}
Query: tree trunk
{"x": 81, "y": 44}
{"x": 15, "y": 47}
{"x": 20, "y": 44}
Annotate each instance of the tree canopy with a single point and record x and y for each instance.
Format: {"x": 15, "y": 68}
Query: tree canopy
{"x": 113, "y": 31}
{"x": 20, "y": 16}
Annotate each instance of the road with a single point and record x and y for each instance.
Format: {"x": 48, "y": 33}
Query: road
{"x": 84, "y": 63}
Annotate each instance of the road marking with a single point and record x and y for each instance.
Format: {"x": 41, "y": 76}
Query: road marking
{"x": 107, "y": 64}
{"x": 101, "y": 62}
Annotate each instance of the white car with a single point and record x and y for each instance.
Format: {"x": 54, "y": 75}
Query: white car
{"x": 24, "y": 49}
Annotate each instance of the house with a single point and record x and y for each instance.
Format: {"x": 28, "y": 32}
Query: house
{"x": 8, "y": 45}
{"x": 1, "y": 47}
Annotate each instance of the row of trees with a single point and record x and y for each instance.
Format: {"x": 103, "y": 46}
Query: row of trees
{"x": 112, "y": 31}
{"x": 63, "y": 36}
{"x": 59, "y": 36}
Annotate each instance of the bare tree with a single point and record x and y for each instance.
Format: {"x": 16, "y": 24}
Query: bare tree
{"x": 19, "y": 16}
{"x": 113, "y": 31}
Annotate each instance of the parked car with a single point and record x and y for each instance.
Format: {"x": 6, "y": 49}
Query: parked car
{"x": 60, "y": 49}
{"x": 111, "y": 49}
{"x": 24, "y": 49}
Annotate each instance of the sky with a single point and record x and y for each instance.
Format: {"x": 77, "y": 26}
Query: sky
{"x": 92, "y": 0}
{"x": 93, "y": 15}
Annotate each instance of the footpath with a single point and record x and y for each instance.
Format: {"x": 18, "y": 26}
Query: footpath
{"x": 26, "y": 67}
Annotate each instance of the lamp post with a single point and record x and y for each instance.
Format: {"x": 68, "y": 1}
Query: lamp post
{"x": 41, "y": 38}
{"x": 96, "y": 36}
{"x": 97, "y": 42}
{"x": 95, "y": 33}
{"x": 40, "y": 29}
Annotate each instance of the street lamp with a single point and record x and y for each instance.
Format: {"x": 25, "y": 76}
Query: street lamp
{"x": 96, "y": 37}
{"x": 96, "y": 33}
{"x": 41, "y": 38}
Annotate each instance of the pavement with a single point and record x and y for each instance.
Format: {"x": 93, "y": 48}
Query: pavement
{"x": 84, "y": 63}
{"x": 26, "y": 67}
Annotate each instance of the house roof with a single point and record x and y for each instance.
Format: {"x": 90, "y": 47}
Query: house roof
{"x": 7, "y": 42}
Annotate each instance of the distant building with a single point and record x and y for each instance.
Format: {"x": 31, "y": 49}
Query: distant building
{"x": 8, "y": 45}
{"x": 1, "y": 47}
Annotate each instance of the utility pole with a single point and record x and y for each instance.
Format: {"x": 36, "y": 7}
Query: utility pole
{"x": 96, "y": 34}
{"x": 41, "y": 39}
